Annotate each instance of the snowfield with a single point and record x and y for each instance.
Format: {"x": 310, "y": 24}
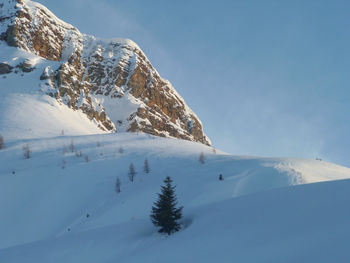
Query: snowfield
{"x": 60, "y": 205}
{"x": 57, "y": 207}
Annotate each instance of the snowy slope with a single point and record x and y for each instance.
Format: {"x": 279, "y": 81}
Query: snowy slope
{"x": 60, "y": 205}
{"x": 26, "y": 112}
{"x": 300, "y": 224}
{"x": 44, "y": 206}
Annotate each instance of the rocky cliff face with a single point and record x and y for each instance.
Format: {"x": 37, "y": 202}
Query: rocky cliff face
{"x": 111, "y": 81}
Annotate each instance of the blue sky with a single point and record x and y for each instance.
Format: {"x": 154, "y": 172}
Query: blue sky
{"x": 268, "y": 78}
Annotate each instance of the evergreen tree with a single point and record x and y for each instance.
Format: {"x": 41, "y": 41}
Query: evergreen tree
{"x": 164, "y": 212}
{"x": 117, "y": 185}
{"x": 202, "y": 158}
{"x": 146, "y": 167}
{"x": 26, "y": 151}
{"x": 71, "y": 146}
{"x": 2, "y": 144}
{"x": 132, "y": 172}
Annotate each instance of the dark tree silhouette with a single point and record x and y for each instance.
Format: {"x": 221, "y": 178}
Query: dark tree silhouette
{"x": 26, "y": 151}
{"x": 132, "y": 172}
{"x": 146, "y": 167}
{"x": 202, "y": 158}
{"x": 117, "y": 185}
{"x": 164, "y": 213}
{"x": 71, "y": 146}
{"x": 2, "y": 143}
{"x": 220, "y": 177}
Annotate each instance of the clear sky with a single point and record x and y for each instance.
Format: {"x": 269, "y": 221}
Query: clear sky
{"x": 267, "y": 78}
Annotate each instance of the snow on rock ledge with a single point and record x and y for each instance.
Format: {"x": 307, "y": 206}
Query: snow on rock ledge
{"x": 93, "y": 70}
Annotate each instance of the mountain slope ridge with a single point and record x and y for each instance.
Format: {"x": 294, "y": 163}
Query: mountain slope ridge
{"x": 90, "y": 71}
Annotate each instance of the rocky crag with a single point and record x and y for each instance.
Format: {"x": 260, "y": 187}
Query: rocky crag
{"x": 111, "y": 81}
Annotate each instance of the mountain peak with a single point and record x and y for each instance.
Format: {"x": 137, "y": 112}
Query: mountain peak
{"x": 111, "y": 81}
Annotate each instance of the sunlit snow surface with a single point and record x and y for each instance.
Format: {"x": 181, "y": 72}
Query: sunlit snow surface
{"x": 60, "y": 205}
{"x": 44, "y": 202}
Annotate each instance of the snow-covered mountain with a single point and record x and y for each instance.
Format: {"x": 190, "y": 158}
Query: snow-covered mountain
{"x": 63, "y": 94}
{"x": 111, "y": 82}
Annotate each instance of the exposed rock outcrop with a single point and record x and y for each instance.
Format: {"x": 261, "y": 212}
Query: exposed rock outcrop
{"x": 112, "y": 81}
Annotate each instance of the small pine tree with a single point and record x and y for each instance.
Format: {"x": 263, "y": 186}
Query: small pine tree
{"x": 202, "y": 158}
{"x": 2, "y": 143}
{"x": 164, "y": 212}
{"x": 26, "y": 151}
{"x": 71, "y": 146}
{"x": 132, "y": 172}
{"x": 220, "y": 177}
{"x": 117, "y": 185}
{"x": 121, "y": 150}
{"x": 146, "y": 167}
{"x": 63, "y": 164}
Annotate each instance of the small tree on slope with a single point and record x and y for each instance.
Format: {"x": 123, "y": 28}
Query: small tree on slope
{"x": 26, "y": 151}
{"x": 117, "y": 185}
{"x": 146, "y": 167}
{"x": 132, "y": 172}
{"x": 2, "y": 144}
{"x": 201, "y": 158}
{"x": 164, "y": 212}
